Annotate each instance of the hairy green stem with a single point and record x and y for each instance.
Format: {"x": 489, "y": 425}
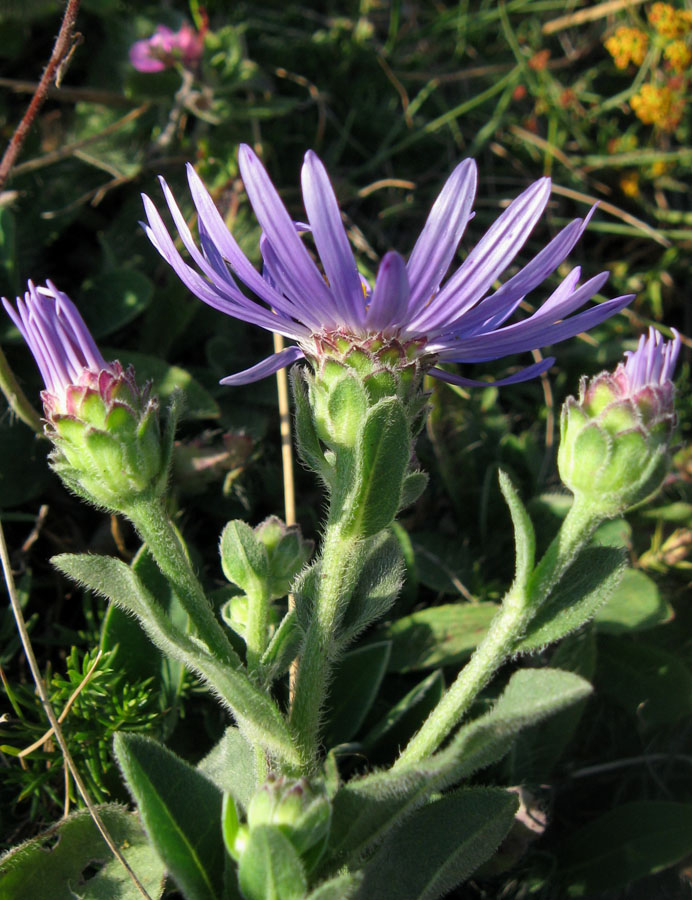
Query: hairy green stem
{"x": 256, "y": 628}
{"x": 338, "y": 560}
{"x": 507, "y": 628}
{"x": 156, "y": 530}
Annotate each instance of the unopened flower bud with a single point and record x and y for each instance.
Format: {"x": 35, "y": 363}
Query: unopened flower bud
{"x": 614, "y": 439}
{"x": 287, "y": 550}
{"x": 104, "y": 428}
{"x": 299, "y": 808}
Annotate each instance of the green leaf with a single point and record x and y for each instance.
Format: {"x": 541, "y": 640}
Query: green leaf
{"x": 270, "y": 868}
{"x": 355, "y": 685}
{"x": 383, "y": 452}
{"x": 439, "y": 636}
{"x": 51, "y": 865}
{"x": 378, "y": 585}
{"x": 524, "y": 537}
{"x": 114, "y": 298}
{"x": 627, "y": 843}
{"x": 199, "y": 404}
{"x": 404, "y": 718}
{"x": 653, "y": 685}
{"x": 181, "y": 811}
{"x": 414, "y": 485}
{"x": 283, "y": 648}
{"x": 635, "y": 605}
{"x": 365, "y": 809}
{"x": 254, "y": 710}
{"x": 244, "y": 558}
{"x": 440, "y": 845}
{"x": 538, "y": 748}
{"x": 347, "y": 406}
{"x": 231, "y": 766}
{"x": 308, "y": 443}
{"x": 530, "y": 696}
{"x": 133, "y": 650}
{"x": 588, "y": 583}
{"x": 342, "y": 887}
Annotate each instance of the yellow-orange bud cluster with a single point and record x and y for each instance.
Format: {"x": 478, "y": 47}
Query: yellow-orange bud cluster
{"x": 668, "y": 21}
{"x": 679, "y": 55}
{"x": 627, "y": 45}
{"x": 659, "y": 106}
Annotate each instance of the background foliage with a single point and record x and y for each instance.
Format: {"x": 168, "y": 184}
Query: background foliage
{"x": 391, "y": 95}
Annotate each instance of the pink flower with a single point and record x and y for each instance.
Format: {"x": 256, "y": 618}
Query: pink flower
{"x": 165, "y": 48}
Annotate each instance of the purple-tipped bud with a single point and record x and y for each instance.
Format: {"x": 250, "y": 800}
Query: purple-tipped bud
{"x": 615, "y": 438}
{"x": 104, "y": 428}
{"x": 299, "y": 809}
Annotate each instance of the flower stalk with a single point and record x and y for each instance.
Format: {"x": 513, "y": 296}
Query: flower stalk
{"x": 518, "y": 608}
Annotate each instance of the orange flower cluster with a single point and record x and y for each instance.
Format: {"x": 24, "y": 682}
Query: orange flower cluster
{"x": 662, "y": 101}
{"x": 627, "y": 45}
{"x": 668, "y": 21}
{"x": 658, "y": 105}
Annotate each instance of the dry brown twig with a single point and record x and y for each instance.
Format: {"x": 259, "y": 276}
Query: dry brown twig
{"x": 65, "y": 45}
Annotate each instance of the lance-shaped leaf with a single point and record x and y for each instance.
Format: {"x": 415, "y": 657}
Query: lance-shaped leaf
{"x": 584, "y": 588}
{"x": 382, "y": 453}
{"x": 255, "y": 712}
{"x": 231, "y": 766}
{"x": 627, "y": 843}
{"x": 440, "y": 845}
{"x": 244, "y": 558}
{"x": 342, "y": 887}
{"x": 357, "y": 680}
{"x": 366, "y": 809}
{"x": 530, "y": 696}
{"x": 181, "y": 811}
{"x": 524, "y": 537}
{"x": 309, "y": 446}
{"x": 270, "y": 868}
{"x": 376, "y": 589}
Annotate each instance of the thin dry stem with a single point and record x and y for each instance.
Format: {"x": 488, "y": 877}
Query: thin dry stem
{"x": 68, "y": 706}
{"x": 50, "y": 714}
{"x": 59, "y": 59}
{"x": 590, "y": 14}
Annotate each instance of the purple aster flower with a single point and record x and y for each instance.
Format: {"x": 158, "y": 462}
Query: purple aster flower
{"x": 615, "y": 438}
{"x": 65, "y": 352}
{"x": 457, "y": 320}
{"x": 105, "y": 430}
{"x": 167, "y": 47}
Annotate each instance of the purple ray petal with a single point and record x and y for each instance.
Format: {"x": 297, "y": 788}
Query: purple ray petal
{"x": 315, "y": 319}
{"x": 523, "y": 375}
{"x": 528, "y": 335}
{"x": 390, "y": 297}
{"x": 493, "y": 253}
{"x": 228, "y": 298}
{"x": 279, "y": 228}
{"x": 267, "y": 367}
{"x": 332, "y": 244}
{"x": 212, "y": 222}
{"x": 506, "y": 299}
{"x": 439, "y": 239}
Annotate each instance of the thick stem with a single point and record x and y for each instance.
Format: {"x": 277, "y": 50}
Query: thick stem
{"x": 518, "y": 609}
{"x": 256, "y": 628}
{"x": 338, "y": 559}
{"x": 156, "y": 530}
